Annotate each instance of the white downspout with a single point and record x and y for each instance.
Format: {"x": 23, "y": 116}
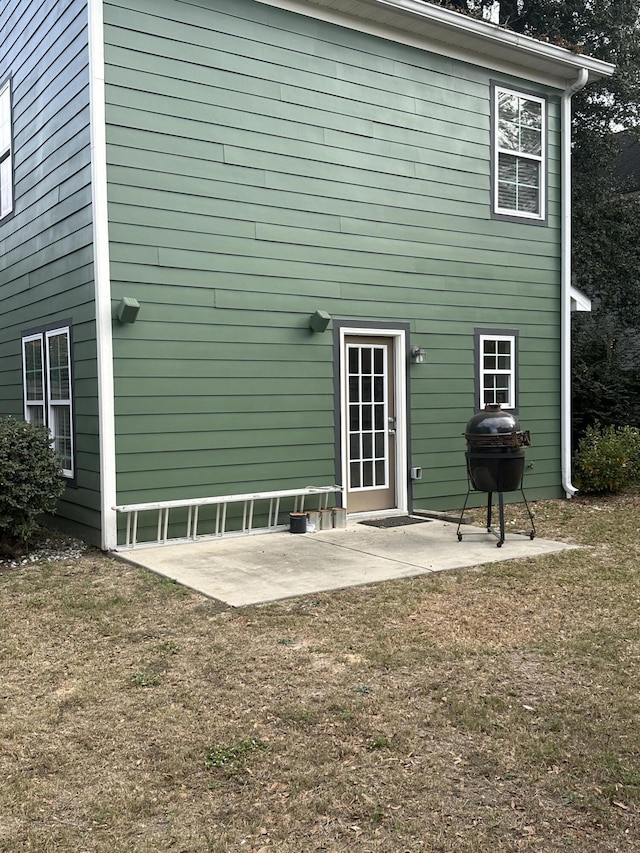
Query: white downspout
{"x": 565, "y": 309}
{"x": 102, "y": 277}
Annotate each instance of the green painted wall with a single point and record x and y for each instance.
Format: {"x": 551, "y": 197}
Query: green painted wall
{"x": 46, "y": 246}
{"x": 262, "y": 165}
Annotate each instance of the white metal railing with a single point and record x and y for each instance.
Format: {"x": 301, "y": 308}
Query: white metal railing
{"x": 193, "y": 506}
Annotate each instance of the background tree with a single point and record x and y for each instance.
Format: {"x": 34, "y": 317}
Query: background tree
{"x": 606, "y": 221}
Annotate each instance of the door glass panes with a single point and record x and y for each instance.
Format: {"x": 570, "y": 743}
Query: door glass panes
{"x": 354, "y": 446}
{"x": 367, "y": 388}
{"x": 368, "y": 410}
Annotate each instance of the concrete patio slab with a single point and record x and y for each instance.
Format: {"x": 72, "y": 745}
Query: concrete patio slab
{"x": 256, "y": 569}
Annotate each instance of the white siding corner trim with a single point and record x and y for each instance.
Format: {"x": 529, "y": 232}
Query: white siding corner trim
{"x": 104, "y": 337}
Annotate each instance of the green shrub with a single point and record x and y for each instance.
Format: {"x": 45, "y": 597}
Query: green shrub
{"x": 608, "y": 459}
{"x": 30, "y": 478}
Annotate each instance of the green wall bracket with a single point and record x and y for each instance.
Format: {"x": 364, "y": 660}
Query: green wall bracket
{"x": 128, "y": 308}
{"x": 319, "y": 321}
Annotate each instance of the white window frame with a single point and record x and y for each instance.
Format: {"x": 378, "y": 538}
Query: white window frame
{"x": 6, "y": 151}
{"x": 31, "y": 403}
{"x": 519, "y": 155}
{"x": 47, "y": 404}
{"x": 509, "y": 375}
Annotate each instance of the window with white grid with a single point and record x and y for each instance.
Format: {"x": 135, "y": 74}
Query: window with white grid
{"x": 519, "y": 154}
{"x": 46, "y": 370}
{"x": 497, "y": 370}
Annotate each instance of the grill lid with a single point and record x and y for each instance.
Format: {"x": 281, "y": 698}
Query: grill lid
{"x": 494, "y": 428}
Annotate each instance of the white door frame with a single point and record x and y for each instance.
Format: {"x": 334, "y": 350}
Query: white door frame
{"x": 398, "y": 336}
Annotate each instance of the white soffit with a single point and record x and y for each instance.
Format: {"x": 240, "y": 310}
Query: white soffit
{"x": 433, "y": 28}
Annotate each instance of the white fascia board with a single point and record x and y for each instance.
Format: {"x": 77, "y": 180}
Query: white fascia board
{"x": 454, "y": 35}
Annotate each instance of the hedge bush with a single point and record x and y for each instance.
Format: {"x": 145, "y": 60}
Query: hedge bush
{"x": 608, "y": 459}
{"x": 30, "y": 479}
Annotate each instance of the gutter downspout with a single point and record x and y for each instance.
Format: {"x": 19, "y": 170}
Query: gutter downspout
{"x": 102, "y": 278}
{"x": 565, "y": 309}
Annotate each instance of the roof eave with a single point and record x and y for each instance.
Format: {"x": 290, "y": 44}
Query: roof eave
{"x": 485, "y": 43}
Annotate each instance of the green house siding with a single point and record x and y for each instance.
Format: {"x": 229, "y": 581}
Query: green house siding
{"x": 46, "y": 245}
{"x": 262, "y": 165}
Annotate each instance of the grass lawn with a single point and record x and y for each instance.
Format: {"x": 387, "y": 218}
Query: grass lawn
{"x": 493, "y": 709}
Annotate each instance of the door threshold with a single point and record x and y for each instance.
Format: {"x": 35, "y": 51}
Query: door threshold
{"x": 380, "y": 513}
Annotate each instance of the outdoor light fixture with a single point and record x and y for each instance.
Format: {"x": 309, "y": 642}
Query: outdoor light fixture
{"x": 127, "y": 310}
{"x": 319, "y": 321}
{"x": 418, "y": 355}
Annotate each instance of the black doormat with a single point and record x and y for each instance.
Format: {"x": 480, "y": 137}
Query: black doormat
{"x": 393, "y": 521}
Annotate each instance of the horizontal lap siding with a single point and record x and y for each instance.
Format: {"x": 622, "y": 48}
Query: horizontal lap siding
{"x": 263, "y": 165}
{"x": 46, "y": 269}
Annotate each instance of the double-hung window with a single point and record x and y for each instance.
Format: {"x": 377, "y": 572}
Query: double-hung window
{"x": 6, "y": 158}
{"x": 496, "y": 369}
{"x": 46, "y": 367}
{"x": 519, "y": 154}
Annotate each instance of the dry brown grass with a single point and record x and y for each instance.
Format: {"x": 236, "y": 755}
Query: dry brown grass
{"x": 484, "y": 710}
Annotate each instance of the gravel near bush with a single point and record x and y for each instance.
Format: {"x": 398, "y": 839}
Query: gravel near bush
{"x": 47, "y": 546}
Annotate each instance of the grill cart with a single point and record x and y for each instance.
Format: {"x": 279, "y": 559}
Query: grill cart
{"x": 495, "y": 461}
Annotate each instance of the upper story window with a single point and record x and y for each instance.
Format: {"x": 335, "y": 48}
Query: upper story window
{"x": 46, "y": 373}
{"x": 519, "y": 154}
{"x": 6, "y": 159}
{"x": 496, "y": 369}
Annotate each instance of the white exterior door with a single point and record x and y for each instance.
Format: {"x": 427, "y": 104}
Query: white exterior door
{"x": 373, "y": 445}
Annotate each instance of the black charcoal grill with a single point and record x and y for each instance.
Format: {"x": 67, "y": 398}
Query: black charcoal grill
{"x": 495, "y": 461}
